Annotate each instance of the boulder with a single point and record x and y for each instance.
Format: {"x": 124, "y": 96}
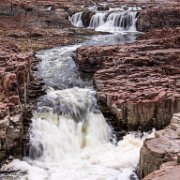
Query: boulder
{"x": 164, "y": 147}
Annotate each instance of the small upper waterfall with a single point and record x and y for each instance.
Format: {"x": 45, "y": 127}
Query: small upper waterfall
{"x": 64, "y": 125}
{"x": 76, "y": 19}
{"x": 113, "y": 20}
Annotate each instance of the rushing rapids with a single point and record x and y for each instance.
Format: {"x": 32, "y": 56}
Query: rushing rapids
{"x": 69, "y": 137}
{"x": 113, "y": 20}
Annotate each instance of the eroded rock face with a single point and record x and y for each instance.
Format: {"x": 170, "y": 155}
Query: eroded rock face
{"x": 158, "y": 17}
{"x": 152, "y": 96}
{"x": 163, "y": 148}
{"x": 86, "y": 18}
{"x": 138, "y": 83}
{"x": 14, "y": 75}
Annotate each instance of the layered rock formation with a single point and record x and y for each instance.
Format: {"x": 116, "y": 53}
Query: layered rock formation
{"x": 14, "y": 75}
{"x": 163, "y": 148}
{"x": 158, "y": 17}
{"x": 137, "y": 82}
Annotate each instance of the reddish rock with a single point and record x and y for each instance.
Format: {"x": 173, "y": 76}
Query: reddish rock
{"x": 154, "y": 17}
{"x": 86, "y": 17}
{"x": 9, "y": 82}
{"x": 163, "y": 148}
{"x": 13, "y": 87}
{"x": 167, "y": 171}
{"x": 137, "y": 83}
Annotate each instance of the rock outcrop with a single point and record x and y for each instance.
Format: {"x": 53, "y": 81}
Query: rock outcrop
{"x": 137, "y": 83}
{"x": 14, "y": 77}
{"x": 163, "y": 148}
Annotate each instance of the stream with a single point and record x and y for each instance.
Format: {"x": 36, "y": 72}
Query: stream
{"x": 69, "y": 136}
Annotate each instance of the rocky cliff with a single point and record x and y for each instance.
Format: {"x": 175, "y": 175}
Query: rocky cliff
{"x": 14, "y": 77}
{"x": 138, "y": 83}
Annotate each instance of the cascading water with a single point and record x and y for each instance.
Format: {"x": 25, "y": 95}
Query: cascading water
{"x": 76, "y": 19}
{"x": 69, "y": 137}
{"x": 64, "y": 125}
{"x": 113, "y": 20}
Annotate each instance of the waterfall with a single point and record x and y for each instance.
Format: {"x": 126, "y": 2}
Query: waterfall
{"x": 76, "y": 19}
{"x": 113, "y": 20}
{"x": 65, "y": 123}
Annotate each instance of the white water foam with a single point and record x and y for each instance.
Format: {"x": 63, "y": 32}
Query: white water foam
{"x": 103, "y": 161}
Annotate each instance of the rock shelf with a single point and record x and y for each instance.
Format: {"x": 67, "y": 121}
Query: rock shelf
{"x": 138, "y": 83}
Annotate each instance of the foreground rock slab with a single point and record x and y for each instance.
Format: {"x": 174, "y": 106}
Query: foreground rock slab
{"x": 163, "y": 148}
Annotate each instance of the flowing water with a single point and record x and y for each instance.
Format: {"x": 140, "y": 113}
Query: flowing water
{"x": 69, "y": 137}
{"x": 76, "y": 19}
{"x": 113, "y": 20}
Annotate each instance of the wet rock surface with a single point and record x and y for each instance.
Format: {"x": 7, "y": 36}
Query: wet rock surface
{"x": 14, "y": 75}
{"x": 137, "y": 83}
{"x": 165, "y": 147}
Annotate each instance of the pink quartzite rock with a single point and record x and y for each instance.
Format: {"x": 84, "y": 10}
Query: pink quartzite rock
{"x": 163, "y": 148}
{"x": 137, "y": 83}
